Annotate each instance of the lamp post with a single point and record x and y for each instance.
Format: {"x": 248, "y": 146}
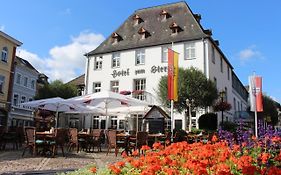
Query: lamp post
{"x": 189, "y": 103}
{"x": 222, "y": 94}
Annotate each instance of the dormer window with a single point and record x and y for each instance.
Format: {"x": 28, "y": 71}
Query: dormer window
{"x": 144, "y": 33}
{"x": 137, "y": 19}
{"x": 116, "y": 37}
{"x": 175, "y": 28}
{"x": 165, "y": 15}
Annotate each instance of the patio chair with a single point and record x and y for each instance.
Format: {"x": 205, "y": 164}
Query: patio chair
{"x": 96, "y": 139}
{"x": 58, "y": 140}
{"x": 73, "y": 139}
{"x": 2, "y": 131}
{"x": 12, "y": 136}
{"x": 113, "y": 143}
{"x": 141, "y": 140}
{"x": 166, "y": 141}
{"x": 30, "y": 140}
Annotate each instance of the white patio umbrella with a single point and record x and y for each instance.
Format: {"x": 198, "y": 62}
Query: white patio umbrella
{"x": 107, "y": 100}
{"x": 55, "y": 104}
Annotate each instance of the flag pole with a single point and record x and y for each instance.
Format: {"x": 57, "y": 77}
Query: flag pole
{"x": 256, "y": 114}
{"x": 172, "y": 120}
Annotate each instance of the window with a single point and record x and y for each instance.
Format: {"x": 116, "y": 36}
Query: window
{"x": 30, "y": 99}
{"x": 189, "y": 51}
{"x": 115, "y": 60}
{"x": 96, "y": 87}
{"x": 228, "y": 74}
{"x": 18, "y": 78}
{"x": 23, "y": 99}
{"x": 139, "y": 87}
{"x": 140, "y": 57}
{"x": 113, "y": 122}
{"x": 2, "y": 81}
{"x": 98, "y": 63}
{"x": 213, "y": 55}
{"x": 16, "y": 100}
{"x": 215, "y": 81}
{"x": 234, "y": 103}
{"x": 221, "y": 64}
{"x": 225, "y": 90}
{"x": 96, "y": 122}
{"x": 25, "y": 80}
{"x": 4, "y": 54}
{"x": 165, "y": 53}
{"x": 114, "y": 86}
{"x": 32, "y": 84}
{"x": 122, "y": 124}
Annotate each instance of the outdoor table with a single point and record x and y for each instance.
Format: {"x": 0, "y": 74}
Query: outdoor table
{"x": 126, "y": 137}
{"x": 46, "y": 137}
{"x": 156, "y": 137}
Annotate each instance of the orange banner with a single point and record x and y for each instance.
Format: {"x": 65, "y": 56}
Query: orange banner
{"x": 259, "y": 103}
{"x": 173, "y": 69}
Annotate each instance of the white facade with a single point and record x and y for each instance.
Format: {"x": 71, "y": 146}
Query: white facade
{"x": 153, "y": 68}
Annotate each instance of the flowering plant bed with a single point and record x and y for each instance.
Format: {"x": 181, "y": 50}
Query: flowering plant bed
{"x": 214, "y": 158}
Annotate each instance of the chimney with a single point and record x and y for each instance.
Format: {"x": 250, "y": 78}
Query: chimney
{"x": 208, "y": 32}
{"x": 217, "y": 42}
{"x": 197, "y": 17}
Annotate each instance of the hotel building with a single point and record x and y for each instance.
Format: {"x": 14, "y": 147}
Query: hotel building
{"x": 134, "y": 57}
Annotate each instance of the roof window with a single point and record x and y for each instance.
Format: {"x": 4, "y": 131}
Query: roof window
{"x": 165, "y": 15}
{"x": 116, "y": 37}
{"x": 144, "y": 33}
{"x": 137, "y": 19}
{"x": 175, "y": 28}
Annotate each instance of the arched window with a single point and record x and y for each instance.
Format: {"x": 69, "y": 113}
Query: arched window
{"x": 4, "y": 54}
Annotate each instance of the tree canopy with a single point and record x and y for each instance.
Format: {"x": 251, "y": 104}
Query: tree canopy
{"x": 56, "y": 89}
{"x": 270, "y": 109}
{"x": 192, "y": 84}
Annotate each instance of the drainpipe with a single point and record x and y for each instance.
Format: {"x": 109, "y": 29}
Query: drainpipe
{"x": 87, "y": 74}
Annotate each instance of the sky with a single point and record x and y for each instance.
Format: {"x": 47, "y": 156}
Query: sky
{"x": 56, "y": 34}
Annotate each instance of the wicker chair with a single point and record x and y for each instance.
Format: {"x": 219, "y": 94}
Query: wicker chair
{"x": 30, "y": 140}
{"x": 96, "y": 139}
{"x": 58, "y": 141}
{"x": 73, "y": 139}
{"x": 113, "y": 143}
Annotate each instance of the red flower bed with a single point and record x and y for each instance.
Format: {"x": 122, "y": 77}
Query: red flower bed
{"x": 214, "y": 158}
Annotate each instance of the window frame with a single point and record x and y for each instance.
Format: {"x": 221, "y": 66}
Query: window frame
{"x": 32, "y": 84}
{"x": 188, "y": 49}
{"x": 139, "y": 60}
{"x": 115, "y": 59}
{"x": 21, "y": 99}
{"x": 140, "y": 87}
{"x": 17, "y": 100}
{"x": 221, "y": 64}
{"x": 113, "y": 86}
{"x": 18, "y": 78}
{"x": 98, "y": 62}
{"x": 2, "y": 84}
{"x": 213, "y": 55}
{"x": 25, "y": 81}
{"x": 95, "y": 88}
{"x": 4, "y": 54}
{"x": 165, "y": 53}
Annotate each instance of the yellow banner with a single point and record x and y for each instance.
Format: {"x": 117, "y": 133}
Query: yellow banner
{"x": 176, "y": 75}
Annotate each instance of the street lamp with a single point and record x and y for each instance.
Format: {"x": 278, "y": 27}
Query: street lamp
{"x": 189, "y": 103}
{"x": 222, "y": 94}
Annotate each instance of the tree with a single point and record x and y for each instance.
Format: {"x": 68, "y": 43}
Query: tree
{"x": 270, "y": 109}
{"x": 56, "y": 89}
{"x": 192, "y": 84}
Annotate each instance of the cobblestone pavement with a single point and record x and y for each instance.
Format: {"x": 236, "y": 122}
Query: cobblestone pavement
{"x": 11, "y": 161}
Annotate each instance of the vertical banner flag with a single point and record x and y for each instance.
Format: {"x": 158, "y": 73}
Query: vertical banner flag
{"x": 255, "y": 92}
{"x": 173, "y": 71}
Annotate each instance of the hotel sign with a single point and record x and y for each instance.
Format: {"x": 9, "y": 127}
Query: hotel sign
{"x": 126, "y": 72}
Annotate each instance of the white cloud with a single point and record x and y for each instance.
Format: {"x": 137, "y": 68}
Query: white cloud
{"x": 65, "y": 62}
{"x": 250, "y": 53}
{"x": 2, "y": 27}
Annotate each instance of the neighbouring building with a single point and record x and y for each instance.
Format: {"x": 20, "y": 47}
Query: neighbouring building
{"x": 134, "y": 57}
{"x": 8, "y": 46}
{"x": 79, "y": 82}
{"x": 24, "y": 90}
